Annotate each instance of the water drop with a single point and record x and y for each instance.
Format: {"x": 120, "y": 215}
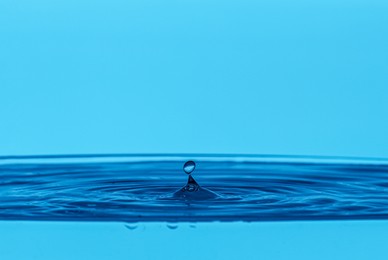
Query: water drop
{"x": 192, "y": 190}
{"x": 189, "y": 167}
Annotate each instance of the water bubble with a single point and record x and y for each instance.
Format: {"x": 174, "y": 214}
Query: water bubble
{"x": 189, "y": 167}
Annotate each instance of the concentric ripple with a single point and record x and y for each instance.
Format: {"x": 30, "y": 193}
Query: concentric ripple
{"x": 135, "y": 188}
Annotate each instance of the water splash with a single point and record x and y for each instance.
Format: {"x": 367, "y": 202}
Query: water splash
{"x": 192, "y": 190}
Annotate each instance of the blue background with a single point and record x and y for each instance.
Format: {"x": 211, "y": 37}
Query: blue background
{"x": 277, "y": 77}
{"x": 338, "y": 240}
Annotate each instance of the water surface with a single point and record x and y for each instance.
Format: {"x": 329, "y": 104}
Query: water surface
{"x": 134, "y": 188}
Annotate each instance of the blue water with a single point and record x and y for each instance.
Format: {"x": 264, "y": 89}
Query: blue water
{"x": 132, "y": 207}
{"x": 221, "y": 188}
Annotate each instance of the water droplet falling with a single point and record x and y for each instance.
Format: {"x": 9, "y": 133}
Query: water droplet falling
{"x": 192, "y": 190}
{"x": 189, "y": 167}
{"x": 192, "y": 185}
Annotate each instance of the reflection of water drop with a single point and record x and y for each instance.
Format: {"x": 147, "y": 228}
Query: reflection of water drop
{"x": 131, "y": 227}
{"x": 189, "y": 167}
{"x": 172, "y": 226}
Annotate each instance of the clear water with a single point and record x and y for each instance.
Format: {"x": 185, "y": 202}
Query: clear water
{"x": 156, "y": 188}
{"x": 139, "y": 207}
